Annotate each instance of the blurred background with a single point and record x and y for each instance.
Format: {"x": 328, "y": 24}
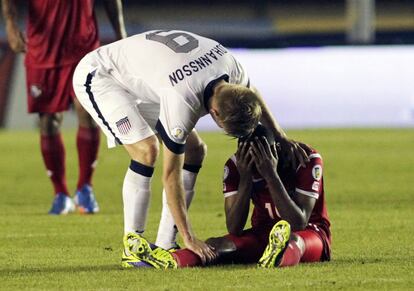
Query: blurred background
{"x": 319, "y": 63}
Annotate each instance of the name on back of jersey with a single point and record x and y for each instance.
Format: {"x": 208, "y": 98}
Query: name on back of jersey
{"x": 197, "y": 65}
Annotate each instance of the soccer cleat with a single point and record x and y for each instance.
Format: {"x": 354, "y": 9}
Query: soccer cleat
{"x": 278, "y": 242}
{"x": 174, "y": 248}
{"x": 138, "y": 253}
{"x": 62, "y": 204}
{"x": 85, "y": 200}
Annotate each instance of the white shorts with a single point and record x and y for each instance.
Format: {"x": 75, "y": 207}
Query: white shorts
{"x": 119, "y": 114}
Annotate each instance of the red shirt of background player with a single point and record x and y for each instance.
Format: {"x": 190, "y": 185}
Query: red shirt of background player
{"x": 306, "y": 180}
{"x": 60, "y": 32}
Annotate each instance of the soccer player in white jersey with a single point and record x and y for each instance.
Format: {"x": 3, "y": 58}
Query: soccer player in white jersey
{"x": 158, "y": 84}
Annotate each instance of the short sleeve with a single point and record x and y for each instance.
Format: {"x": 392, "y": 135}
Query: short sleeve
{"x": 309, "y": 178}
{"x": 238, "y": 74}
{"x": 176, "y": 120}
{"x": 231, "y": 178}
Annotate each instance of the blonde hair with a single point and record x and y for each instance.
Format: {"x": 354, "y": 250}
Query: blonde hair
{"x": 239, "y": 109}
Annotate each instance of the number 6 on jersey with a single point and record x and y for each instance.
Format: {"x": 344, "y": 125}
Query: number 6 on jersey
{"x": 179, "y": 42}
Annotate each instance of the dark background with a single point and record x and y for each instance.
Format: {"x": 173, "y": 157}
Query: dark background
{"x": 261, "y": 24}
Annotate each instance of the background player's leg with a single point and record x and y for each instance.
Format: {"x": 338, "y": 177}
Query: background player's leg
{"x": 194, "y": 156}
{"x": 53, "y": 153}
{"x": 137, "y": 182}
{"x": 87, "y": 142}
{"x": 53, "y": 150}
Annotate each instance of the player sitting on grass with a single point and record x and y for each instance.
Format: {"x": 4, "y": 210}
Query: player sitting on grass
{"x": 284, "y": 199}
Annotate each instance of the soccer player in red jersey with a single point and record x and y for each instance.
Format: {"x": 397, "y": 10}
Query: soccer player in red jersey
{"x": 290, "y": 222}
{"x": 59, "y": 33}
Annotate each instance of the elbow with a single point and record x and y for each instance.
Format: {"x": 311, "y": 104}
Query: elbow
{"x": 169, "y": 177}
{"x": 165, "y": 179}
{"x": 172, "y": 184}
{"x": 234, "y": 230}
{"x": 297, "y": 222}
{"x": 298, "y": 225}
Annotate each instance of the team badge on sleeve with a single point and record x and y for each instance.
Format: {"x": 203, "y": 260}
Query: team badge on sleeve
{"x": 178, "y": 133}
{"x": 317, "y": 172}
{"x": 123, "y": 125}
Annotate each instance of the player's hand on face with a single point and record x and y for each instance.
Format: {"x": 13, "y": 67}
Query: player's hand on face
{"x": 244, "y": 161}
{"x": 16, "y": 39}
{"x": 203, "y": 250}
{"x": 264, "y": 156}
{"x": 295, "y": 153}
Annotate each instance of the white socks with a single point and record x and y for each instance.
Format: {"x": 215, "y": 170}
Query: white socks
{"x": 167, "y": 232}
{"x": 136, "y": 194}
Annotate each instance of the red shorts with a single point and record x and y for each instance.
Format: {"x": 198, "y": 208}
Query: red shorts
{"x": 49, "y": 90}
{"x": 252, "y": 243}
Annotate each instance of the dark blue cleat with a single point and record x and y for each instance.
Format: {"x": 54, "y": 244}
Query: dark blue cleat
{"x": 85, "y": 200}
{"x": 62, "y": 204}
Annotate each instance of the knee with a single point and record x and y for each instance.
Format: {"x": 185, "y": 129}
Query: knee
{"x": 195, "y": 153}
{"x": 145, "y": 151}
{"x": 50, "y": 123}
{"x": 148, "y": 152}
{"x": 151, "y": 152}
{"x": 222, "y": 245}
{"x": 202, "y": 150}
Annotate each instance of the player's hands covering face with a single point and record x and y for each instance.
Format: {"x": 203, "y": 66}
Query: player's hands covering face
{"x": 244, "y": 161}
{"x": 265, "y": 157}
{"x": 294, "y": 152}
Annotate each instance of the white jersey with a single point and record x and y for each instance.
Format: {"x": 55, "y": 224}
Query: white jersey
{"x": 173, "y": 72}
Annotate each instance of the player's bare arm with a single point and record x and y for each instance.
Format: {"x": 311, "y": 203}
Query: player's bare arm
{"x": 116, "y": 17}
{"x": 15, "y": 36}
{"x": 296, "y": 212}
{"x": 237, "y": 206}
{"x": 172, "y": 179}
{"x": 295, "y": 151}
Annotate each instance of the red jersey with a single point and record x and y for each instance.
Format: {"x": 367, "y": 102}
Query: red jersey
{"x": 304, "y": 181}
{"x": 60, "y": 32}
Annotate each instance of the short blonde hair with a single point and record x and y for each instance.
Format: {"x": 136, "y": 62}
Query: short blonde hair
{"x": 239, "y": 109}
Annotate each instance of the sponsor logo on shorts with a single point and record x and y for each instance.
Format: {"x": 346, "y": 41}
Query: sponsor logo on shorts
{"x": 123, "y": 125}
{"x": 178, "y": 133}
{"x": 35, "y": 91}
{"x": 317, "y": 172}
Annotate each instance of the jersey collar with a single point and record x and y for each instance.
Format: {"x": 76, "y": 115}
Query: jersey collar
{"x": 208, "y": 91}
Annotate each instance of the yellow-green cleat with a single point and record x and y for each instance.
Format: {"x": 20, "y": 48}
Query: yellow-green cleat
{"x": 278, "y": 242}
{"x": 138, "y": 253}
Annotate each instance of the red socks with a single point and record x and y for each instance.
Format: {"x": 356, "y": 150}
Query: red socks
{"x": 87, "y": 142}
{"x": 53, "y": 152}
{"x": 186, "y": 258}
{"x": 292, "y": 255}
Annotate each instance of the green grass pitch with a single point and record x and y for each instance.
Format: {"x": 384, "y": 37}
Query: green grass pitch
{"x": 369, "y": 176}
